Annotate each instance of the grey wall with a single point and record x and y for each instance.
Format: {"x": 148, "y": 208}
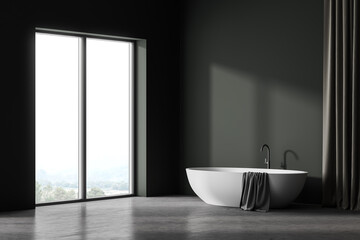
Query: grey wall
{"x": 155, "y": 21}
{"x": 251, "y": 73}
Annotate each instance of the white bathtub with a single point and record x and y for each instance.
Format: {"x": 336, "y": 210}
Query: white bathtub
{"x": 223, "y": 186}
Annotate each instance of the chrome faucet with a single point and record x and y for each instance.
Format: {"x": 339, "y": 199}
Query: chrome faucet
{"x": 267, "y": 158}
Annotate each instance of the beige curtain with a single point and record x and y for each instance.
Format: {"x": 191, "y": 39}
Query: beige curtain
{"x": 341, "y": 122}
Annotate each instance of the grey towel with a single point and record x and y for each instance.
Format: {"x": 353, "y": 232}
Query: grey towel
{"x": 255, "y": 192}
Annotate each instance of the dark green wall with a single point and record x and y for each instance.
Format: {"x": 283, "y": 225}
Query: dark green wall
{"x": 155, "y": 21}
{"x": 251, "y": 73}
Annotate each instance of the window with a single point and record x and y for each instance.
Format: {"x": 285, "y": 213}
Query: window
{"x": 83, "y": 117}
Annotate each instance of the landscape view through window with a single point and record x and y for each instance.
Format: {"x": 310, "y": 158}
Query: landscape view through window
{"x": 57, "y": 118}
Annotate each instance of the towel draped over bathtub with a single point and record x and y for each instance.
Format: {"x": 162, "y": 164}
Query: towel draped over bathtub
{"x": 255, "y": 192}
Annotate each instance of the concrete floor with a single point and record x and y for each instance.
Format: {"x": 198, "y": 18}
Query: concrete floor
{"x": 176, "y": 218}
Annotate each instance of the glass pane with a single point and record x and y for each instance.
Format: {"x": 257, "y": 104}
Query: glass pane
{"x": 108, "y": 117}
{"x": 56, "y": 118}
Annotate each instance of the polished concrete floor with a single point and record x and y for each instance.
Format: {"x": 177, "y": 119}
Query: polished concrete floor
{"x": 176, "y": 218}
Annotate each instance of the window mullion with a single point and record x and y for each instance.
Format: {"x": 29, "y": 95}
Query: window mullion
{"x": 82, "y": 118}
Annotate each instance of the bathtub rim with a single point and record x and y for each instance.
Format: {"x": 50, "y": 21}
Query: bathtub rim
{"x": 242, "y": 170}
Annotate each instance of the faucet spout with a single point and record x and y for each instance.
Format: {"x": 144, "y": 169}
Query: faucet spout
{"x": 283, "y": 165}
{"x": 267, "y": 158}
